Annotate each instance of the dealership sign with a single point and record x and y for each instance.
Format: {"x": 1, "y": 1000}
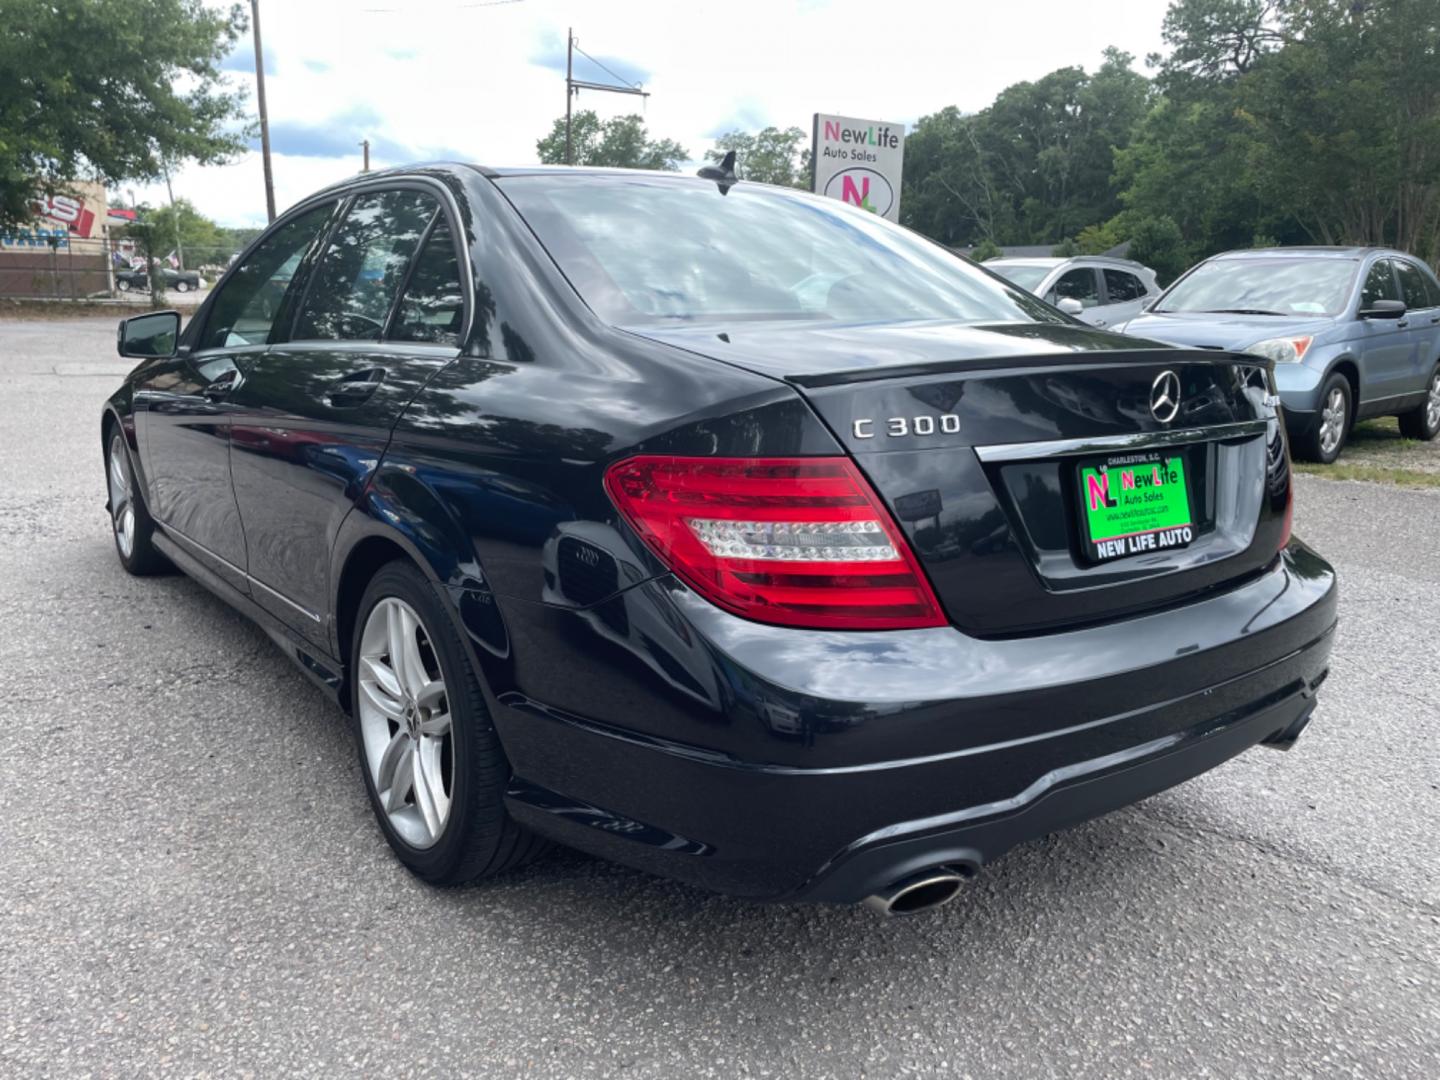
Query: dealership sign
{"x": 858, "y": 162}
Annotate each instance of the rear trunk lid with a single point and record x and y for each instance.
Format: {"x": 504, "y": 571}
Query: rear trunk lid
{"x": 1046, "y": 476}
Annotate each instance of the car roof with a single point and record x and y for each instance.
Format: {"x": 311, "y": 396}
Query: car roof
{"x": 1304, "y": 252}
{"x": 1056, "y": 260}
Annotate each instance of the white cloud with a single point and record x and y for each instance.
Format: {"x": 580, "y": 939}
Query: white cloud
{"x": 451, "y": 78}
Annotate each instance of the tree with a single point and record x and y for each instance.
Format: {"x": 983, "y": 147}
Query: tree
{"x": 769, "y": 156}
{"x": 1034, "y": 166}
{"x": 1157, "y": 243}
{"x": 188, "y": 231}
{"x": 986, "y": 249}
{"x": 621, "y": 142}
{"x": 109, "y": 90}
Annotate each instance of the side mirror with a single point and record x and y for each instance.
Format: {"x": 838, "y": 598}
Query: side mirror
{"x": 1071, "y": 306}
{"x": 1384, "y": 309}
{"x": 148, "y": 336}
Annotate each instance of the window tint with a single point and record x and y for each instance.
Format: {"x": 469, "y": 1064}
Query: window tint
{"x": 245, "y": 308}
{"x": 1412, "y": 285}
{"x": 357, "y": 278}
{"x": 1434, "y": 286}
{"x": 1122, "y": 287}
{"x": 432, "y": 308}
{"x": 1379, "y": 284}
{"x": 1080, "y": 284}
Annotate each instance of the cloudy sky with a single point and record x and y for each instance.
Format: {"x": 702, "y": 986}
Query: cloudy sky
{"x": 481, "y": 80}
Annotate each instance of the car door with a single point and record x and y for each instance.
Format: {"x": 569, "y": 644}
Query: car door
{"x": 1386, "y": 347}
{"x": 183, "y": 407}
{"x": 382, "y": 312}
{"x": 1124, "y": 296}
{"x": 1080, "y": 283}
{"x": 1423, "y": 315}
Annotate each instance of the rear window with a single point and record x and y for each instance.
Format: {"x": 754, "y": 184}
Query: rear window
{"x": 1027, "y": 277}
{"x": 647, "y": 250}
{"x": 1267, "y": 286}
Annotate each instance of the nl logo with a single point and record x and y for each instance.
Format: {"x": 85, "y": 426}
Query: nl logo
{"x": 860, "y": 163}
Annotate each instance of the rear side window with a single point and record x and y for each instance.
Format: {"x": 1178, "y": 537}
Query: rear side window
{"x": 1122, "y": 287}
{"x": 1412, "y": 285}
{"x": 245, "y": 309}
{"x": 433, "y": 307}
{"x": 364, "y": 263}
{"x": 1079, "y": 284}
{"x": 1379, "y": 284}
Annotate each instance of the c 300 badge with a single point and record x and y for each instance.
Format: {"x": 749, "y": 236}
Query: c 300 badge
{"x": 897, "y": 427}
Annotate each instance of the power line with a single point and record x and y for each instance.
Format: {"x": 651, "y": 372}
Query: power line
{"x": 602, "y": 67}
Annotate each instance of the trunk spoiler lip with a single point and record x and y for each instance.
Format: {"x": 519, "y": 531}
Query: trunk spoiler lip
{"x": 1110, "y": 444}
{"x": 1144, "y": 353}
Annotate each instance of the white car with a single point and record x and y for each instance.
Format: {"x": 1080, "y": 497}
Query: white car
{"x": 1096, "y": 289}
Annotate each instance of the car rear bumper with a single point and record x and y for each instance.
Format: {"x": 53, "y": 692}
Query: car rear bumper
{"x": 779, "y": 764}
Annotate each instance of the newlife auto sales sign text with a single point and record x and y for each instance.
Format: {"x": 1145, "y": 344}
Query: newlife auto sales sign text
{"x": 858, "y": 161}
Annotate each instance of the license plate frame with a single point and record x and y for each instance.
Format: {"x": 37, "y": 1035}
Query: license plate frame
{"x": 1150, "y": 512}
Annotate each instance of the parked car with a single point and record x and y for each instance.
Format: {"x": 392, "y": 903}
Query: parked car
{"x": 1354, "y": 332}
{"x": 139, "y": 280}
{"x": 1096, "y": 289}
{"x": 719, "y": 529}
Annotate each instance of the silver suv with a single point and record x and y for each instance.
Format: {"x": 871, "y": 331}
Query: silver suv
{"x": 1101, "y": 290}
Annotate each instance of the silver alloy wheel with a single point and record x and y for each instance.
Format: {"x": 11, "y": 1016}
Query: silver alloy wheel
{"x": 1332, "y": 421}
{"x": 122, "y": 505}
{"x": 1432, "y": 404}
{"x": 405, "y": 722}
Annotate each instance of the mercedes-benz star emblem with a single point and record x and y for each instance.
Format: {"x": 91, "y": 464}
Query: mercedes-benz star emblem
{"x": 1165, "y": 396}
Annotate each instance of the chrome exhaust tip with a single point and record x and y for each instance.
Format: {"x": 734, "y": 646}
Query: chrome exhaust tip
{"x": 921, "y": 892}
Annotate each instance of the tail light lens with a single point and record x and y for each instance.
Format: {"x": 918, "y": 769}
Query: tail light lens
{"x": 1287, "y": 523}
{"x": 790, "y": 541}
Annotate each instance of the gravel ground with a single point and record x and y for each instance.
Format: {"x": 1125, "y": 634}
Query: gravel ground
{"x": 193, "y": 885}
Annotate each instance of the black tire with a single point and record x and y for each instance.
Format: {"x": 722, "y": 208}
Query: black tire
{"x": 1323, "y": 442}
{"x": 123, "y": 285}
{"x": 478, "y": 838}
{"x": 1423, "y": 421}
{"x": 182, "y": 286}
{"x": 142, "y": 558}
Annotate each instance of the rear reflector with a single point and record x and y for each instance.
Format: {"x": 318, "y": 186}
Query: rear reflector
{"x": 791, "y": 541}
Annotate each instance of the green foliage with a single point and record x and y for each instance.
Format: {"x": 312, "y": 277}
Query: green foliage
{"x": 770, "y": 156}
{"x": 1157, "y": 242}
{"x": 986, "y": 249}
{"x": 620, "y": 142}
{"x": 1066, "y": 249}
{"x": 1098, "y": 239}
{"x": 110, "y": 90}
{"x": 187, "y": 230}
{"x": 1033, "y": 166}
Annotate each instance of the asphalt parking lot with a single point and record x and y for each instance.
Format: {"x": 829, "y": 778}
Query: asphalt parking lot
{"x": 193, "y": 883}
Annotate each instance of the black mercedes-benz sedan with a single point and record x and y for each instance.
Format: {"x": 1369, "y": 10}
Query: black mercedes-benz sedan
{"x": 718, "y": 529}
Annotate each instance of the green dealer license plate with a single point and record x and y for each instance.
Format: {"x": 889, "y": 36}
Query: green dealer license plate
{"x": 1132, "y": 504}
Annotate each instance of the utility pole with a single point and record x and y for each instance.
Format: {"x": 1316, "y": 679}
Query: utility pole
{"x": 179, "y": 249}
{"x": 264, "y": 116}
{"x": 569, "y": 88}
{"x": 365, "y": 145}
{"x": 573, "y": 86}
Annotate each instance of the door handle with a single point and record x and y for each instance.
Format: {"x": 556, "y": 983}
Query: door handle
{"x": 1434, "y": 319}
{"x": 1402, "y": 324}
{"x": 1098, "y": 322}
{"x": 355, "y": 388}
{"x": 222, "y": 387}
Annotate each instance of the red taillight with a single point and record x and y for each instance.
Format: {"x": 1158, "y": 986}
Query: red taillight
{"x": 1287, "y": 523}
{"x": 793, "y": 541}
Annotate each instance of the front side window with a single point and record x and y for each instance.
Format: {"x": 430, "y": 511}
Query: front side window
{"x": 1412, "y": 285}
{"x": 1121, "y": 287}
{"x": 433, "y": 306}
{"x": 1379, "y": 284}
{"x": 244, "y": 310}
{"x": 1079, "y": 284}
{"x": 1027, "y": 276}
{"x": 1264, "y": 286}
{"x": 364, "y": 263}
{"x": 654, "y": 250}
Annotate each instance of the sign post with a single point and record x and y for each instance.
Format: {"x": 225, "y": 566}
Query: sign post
{"x": 858, "y": 162}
